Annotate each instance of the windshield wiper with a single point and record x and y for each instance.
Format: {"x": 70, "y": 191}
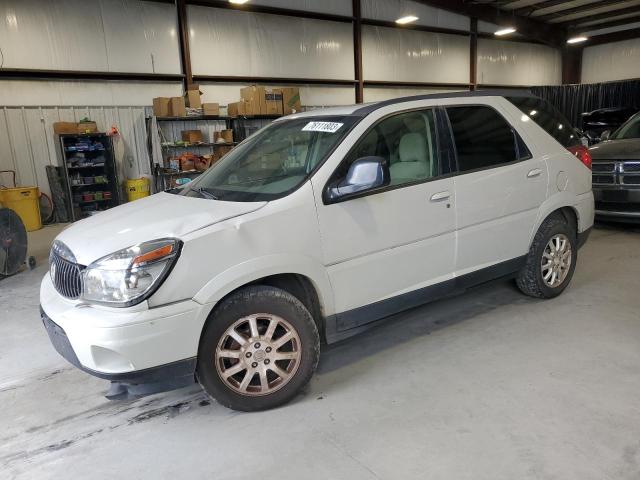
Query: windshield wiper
{"x": 205, "y": 193}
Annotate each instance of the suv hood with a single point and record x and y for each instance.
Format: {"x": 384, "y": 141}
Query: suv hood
{"x": 617, "y": 149}
{"x": 158, "y": 216}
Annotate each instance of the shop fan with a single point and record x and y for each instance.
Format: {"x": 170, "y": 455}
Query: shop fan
{"x": 13, "y": 243}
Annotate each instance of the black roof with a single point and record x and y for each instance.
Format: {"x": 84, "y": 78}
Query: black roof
{"x": 367, "y": 109}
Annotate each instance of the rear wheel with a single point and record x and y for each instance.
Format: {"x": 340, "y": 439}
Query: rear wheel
{"x": 551, "y": 260}
{"x": 258, "y": 350}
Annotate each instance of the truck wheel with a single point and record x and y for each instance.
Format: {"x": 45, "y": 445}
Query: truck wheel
{"x": 259, "y": 348}
{"x": 551, "y": 260}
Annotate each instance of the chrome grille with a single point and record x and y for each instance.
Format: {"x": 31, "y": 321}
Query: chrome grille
{"x": 604, "y": 179}
{"x": 65, "y": 275}
{"x": 609, "y": 167}
{"x": 630, "y": 173}
{"x": 616, "y": 172}
{"x": 631, "y": 179}
{"x": 631, "y": 166}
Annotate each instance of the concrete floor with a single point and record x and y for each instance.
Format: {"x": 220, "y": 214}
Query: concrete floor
{"x": 490, "y": 385}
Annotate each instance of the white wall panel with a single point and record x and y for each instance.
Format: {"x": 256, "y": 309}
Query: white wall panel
{"x": 97, "y": 35}
{"x": 611, "y": 61}
{"x": 141, "y": 36}
{"x": 391, "y": 10}
{"x": 414, "y": 56}
{"x": 517, "y": 63}
{"x": 336, "y": 7}
{"x": 28, "y": 145}
{"x": 378, "y": 94}
{"x": 72, "y": 92}
{"x": 227, "y": 42}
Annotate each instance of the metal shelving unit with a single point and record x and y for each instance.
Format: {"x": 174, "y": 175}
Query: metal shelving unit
{"x": 169, "y": 129}
{"x": 89, "y": 172}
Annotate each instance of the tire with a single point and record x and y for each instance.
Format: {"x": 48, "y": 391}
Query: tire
{"x": 530, "y": 279}
{"x": 249, "y": 316}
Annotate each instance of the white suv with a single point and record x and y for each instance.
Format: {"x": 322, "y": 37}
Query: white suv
{"x": 312, "y": 230}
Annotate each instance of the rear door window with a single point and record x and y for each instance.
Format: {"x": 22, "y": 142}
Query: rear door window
{"x": 483, "y": 138}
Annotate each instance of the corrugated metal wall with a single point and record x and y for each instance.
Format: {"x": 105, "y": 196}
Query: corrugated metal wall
{"x": 28, "y": 144}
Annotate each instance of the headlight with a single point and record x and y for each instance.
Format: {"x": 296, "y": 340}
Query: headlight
{"x": 129, "y": 276}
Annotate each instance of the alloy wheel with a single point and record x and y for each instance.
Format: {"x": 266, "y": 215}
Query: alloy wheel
{"x": 258, "y": 354}
{"x": 556, "y": 260}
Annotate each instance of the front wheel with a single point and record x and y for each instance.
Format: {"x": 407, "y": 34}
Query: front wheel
{"x": 258, "y": 350}
{"x": 551, "y": 260}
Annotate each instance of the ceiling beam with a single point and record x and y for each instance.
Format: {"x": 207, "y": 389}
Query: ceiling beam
{"x": 598, "y": 16}
{"x": 614, "y": 37}
{"x": 599, "y": 26}
{"x": 533, "y": 29}
{"x": 529, "y": 9}
{"x": 582, "y": 8}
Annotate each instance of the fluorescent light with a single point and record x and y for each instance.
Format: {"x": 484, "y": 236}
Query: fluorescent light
{"x": 238, "y": 2}
{"x": 533, "y": 112}
{"x": 505, "y": 31}
{"x": 577, "y": 39}
{"x": 407, "y": 19}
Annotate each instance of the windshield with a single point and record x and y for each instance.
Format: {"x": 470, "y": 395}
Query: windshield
{"x": 273, "y": 162}
{"x": 630, "y": 129}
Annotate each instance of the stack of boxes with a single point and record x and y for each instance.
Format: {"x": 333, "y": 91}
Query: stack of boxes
{"x": 256, "y": 100}
{"x": 189, "y": 104}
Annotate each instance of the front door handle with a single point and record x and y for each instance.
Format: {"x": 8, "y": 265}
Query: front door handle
{"x": 534, "y": 173}
{"x": 436, "y": 197}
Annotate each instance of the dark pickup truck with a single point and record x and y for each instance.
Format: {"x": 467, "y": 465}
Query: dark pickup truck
{"x": 616, "y": 174}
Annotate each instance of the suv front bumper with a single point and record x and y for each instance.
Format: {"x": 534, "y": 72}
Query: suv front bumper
{"x": 155, "y": 346}
{"x": 617, "y": 203}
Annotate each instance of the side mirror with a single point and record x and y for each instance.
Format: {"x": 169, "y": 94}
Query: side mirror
{"x": 605, "y": 135}
{"x": 366, "y": 173}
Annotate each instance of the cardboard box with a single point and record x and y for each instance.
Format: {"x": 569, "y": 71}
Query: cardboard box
{"x": 254, "y": 96}
{"x": 237, "y": 108}
{"x": 87, "y": 127}
{"x": 192, "y": 96}
{"x": 290, "y": 100}
{"x": 210, "y": 109}
{"x": 65, "y": 127}
{"x": 273, "y": 101}
{"x": 177, "y": 107}
{"x": 192, "y": 136}
{"x": 225, "y": 135}
{"x": 161, "y": 106}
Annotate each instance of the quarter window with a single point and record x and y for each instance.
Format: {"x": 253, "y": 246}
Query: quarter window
{"x": 483, "y": 138}
{"x": 407, "y": 141}
{"x": 549, "y": 118}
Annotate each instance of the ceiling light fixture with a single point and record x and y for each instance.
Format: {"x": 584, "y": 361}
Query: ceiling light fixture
{"x": 238, "y": 2}
{"x": 505, "y": 31}
{"x": 578, "y": 39}
{"x": 407, "y": 19}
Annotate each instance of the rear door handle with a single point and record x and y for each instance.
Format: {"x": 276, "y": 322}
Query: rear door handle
{"x": 534, "y": 173}
{"x": 436, "y": 197}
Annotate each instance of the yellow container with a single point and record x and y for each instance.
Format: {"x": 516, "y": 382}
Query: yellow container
{"x": 26, "y": 203}
{"x": 137, "y": 189}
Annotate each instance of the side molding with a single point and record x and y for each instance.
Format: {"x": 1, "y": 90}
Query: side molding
{"x": 349, "y": 323}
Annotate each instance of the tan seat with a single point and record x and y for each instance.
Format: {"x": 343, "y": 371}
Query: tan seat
{"x": 413, "y": 159}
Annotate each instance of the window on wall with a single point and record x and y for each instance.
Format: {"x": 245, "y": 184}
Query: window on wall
{"x": 407, "y": 141}
{"x": 483, "y": 138}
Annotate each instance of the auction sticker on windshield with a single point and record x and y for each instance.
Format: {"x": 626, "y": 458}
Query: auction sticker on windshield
{"x": 328, "y": 127}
